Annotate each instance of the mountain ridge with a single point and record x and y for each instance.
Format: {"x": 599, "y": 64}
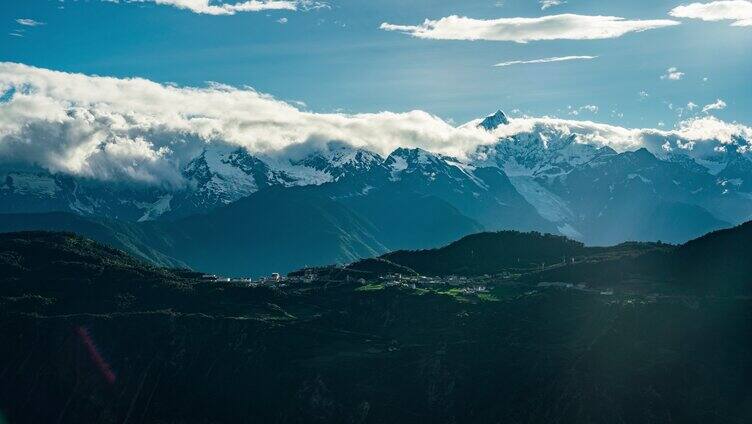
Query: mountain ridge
{"x": 547, "y": 178}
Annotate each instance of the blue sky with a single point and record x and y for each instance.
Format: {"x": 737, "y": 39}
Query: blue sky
{"x": 337, "y": 58}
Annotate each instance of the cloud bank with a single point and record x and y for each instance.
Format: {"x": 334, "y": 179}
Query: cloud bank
{"x": 142, "y": 131}
{"x": 523, "y": 30}
{"x": 739, "y": 11}
{"x": 137, "y": 129}
{"x": 545, "y": 60}
{"x": 209, "y": 7}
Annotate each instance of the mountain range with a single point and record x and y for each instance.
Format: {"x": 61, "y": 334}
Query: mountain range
{"x": 243, "y": 213}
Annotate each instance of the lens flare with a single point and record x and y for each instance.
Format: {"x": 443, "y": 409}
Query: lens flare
{"x": 96, "y": 357}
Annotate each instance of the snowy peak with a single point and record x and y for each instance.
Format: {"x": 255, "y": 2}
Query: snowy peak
{"x": 37, "y": 190}
{"x": 544, "y": 151}
{"x": 418, "y": 165}
{"x": 491, "y": 122}
{"x": 341, "y": 161}
{"x": 223, "y": 175}
{"x": 410, "y": 161}
{"x": 414, "y": 157}
{"x": 35, "y": 184}
{"x": 737, "y": 174}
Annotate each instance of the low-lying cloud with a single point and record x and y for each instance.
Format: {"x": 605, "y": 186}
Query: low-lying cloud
{"x": 139, "y": 130}
{"x": 114, "y": 128}
{"x": 523, "y": 30}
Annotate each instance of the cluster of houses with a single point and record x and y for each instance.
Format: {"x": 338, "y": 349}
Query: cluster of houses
{"x": 469, "y": 285}
{"x": 274, "y": 279}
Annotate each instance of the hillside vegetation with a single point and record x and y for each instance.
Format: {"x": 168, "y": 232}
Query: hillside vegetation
{"x": 93, "y": 335}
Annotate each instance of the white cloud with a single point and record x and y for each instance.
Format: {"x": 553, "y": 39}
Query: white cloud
{"x": 545, "y": 4}
{"x": 672, "y": 74}
{"x": 209, "y": 7}
{"x": 139, "y": 130}
{"x": 522, "y": 30}
{"x": 545, "y": 60}
{"x": 739, "y": 11}
{"x": 586, "y": 108}
{"x": 692, "y": 106}
{"x": 313, "y": 4}
{"x": 282, "y": 21}
{"x": 590, "y": 108}
{"x": 718, "y": 105}
{"x": 28, "y": 22}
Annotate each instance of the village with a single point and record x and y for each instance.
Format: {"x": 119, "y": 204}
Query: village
{"x": 460, "y": 284}
{"x": 469, "y": 285}
{"x": 275, "y": 279}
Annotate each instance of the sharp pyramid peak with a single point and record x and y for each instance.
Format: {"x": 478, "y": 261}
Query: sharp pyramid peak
{"x": 491, "y": 122}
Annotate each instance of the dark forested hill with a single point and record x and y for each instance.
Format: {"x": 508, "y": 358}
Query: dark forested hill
{"x": 722, "y": 257}
{"x": 64, "y": 272}
{"x": 92, "y": 335}
{"x": 717, "y": 262}
{"x": 508, "y": 251}
{"x": 490, "y": 253}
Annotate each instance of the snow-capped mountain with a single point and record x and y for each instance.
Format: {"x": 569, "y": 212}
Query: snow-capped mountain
{"x": 532, "y": 160}
{"x": 545, "y": 177}
{"x": 27, "y": 190}
{"x": 491, "y": 122}
{"x": 484, "y": 194}
{"x": 595, "y": 194}
{"x": 737, "y": 174}
{"x": 543, "y": 152}
{"x": 222, "y": 175}
{"x": 623, "y": 195}
{"x": 340, "y": 161}
{"x": 404, "y": 163}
